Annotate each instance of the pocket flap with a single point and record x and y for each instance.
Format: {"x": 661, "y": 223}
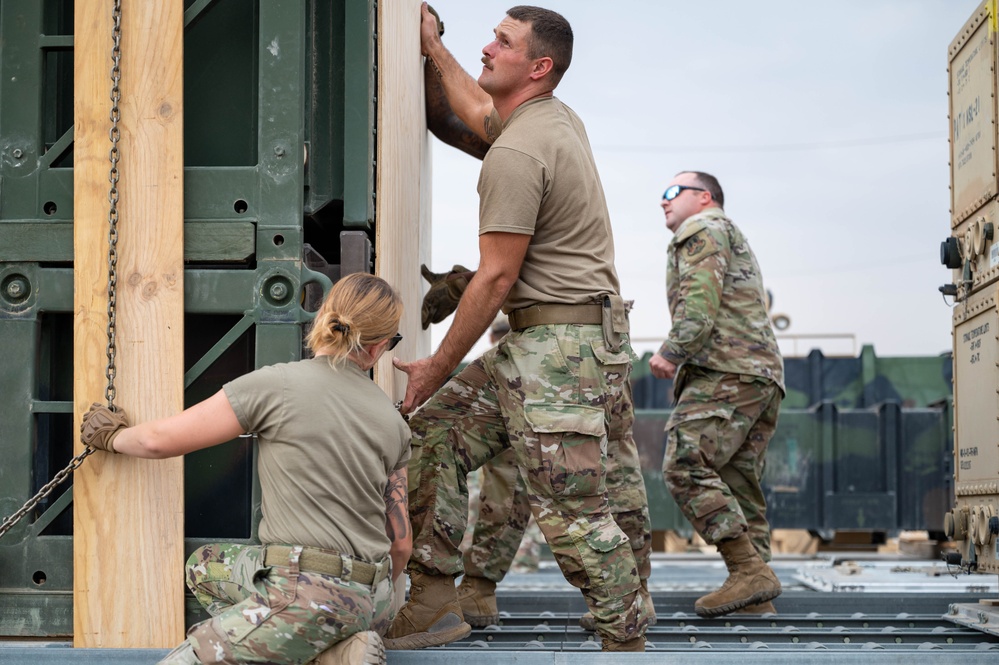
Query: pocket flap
{"x": 554, "y": 418}
{"x": 608, "y": 357}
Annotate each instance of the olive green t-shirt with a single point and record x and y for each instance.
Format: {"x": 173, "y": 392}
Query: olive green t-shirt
{"x": 328, "y": 440}
{"x": 539, "y": 178}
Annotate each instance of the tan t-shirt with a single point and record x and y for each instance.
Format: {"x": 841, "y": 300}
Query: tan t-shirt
{"x": 328, "y": 441}
{"x": 539, "y": 178}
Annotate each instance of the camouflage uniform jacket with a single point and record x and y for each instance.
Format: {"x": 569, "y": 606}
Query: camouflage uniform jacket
{"x": 717, "y": 301}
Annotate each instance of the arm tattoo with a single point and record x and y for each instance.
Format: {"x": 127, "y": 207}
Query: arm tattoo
{"x": 397, "y": 506}
{"x": 492, "y": 128}
{"x": 437, "y": 69}
{"x": 441, "y": 118}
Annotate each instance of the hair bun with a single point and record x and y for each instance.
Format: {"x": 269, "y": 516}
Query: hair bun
{"x": 341, "y": 327}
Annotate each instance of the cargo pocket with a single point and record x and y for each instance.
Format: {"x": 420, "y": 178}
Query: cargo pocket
{"x": 597, "y": 544}
{"x": 571, "y": 454}
{"x": 223, "y": 574}
{"x": 274, "y": 592}
{"x": 703, "y": 396}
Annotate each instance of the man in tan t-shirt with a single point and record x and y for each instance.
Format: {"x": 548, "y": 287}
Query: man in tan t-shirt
{"x": 554, "y": 387}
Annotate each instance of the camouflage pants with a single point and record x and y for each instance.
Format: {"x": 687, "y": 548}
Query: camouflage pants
{"x": 501, "y": 534}
{"x": 548, "y": 393}
{"x": 717, "y": 440}
{"x": 275, "y": 614}
{"x": 502, "y": 528}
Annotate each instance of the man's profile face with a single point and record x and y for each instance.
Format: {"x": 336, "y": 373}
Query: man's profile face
{"x": 505, "y": 65}
{"x": 687, "y": 203}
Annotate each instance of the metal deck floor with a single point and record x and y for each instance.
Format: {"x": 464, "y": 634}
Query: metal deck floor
{"x": 833, "y": 609}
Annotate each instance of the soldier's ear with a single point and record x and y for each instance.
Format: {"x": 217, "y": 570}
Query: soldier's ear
{"x": 542, "y": 66}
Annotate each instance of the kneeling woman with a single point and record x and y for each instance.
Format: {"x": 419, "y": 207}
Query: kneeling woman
{"x": 332, "y": 465}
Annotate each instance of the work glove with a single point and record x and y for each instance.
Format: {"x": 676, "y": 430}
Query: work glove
{"x": 445, "y": 292}
{"x": 100, "y": 426}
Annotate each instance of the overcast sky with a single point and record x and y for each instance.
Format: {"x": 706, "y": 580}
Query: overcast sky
{"x": 826, "y": 124}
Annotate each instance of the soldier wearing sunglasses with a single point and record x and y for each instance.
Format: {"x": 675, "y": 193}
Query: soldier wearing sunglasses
{"x": 728, "y": 383}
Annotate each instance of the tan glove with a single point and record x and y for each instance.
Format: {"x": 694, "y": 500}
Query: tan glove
{"x": 445, "y": 291}
{"x": 100, "y": 426}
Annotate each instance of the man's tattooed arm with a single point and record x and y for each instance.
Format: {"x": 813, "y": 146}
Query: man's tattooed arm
{"x": 443, "y": 122}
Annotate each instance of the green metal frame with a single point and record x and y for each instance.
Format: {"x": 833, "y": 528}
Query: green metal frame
{"x": 279, "y": 161}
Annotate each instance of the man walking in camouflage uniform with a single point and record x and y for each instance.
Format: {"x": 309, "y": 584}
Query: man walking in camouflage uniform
{"x": 551, "y": 389}
{"x": 728, "y": 388}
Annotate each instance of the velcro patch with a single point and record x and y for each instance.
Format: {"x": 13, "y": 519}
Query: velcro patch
{"x": 699, "y": 246}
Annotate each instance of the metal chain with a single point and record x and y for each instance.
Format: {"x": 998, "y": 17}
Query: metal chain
{"x": 115, "y": 135}
{"x": 110, "y": 371}
{"x": 59, "y": 478}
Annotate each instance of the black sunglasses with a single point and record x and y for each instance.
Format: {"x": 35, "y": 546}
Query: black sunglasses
{"x": 674, "y": 191}
{"x": 394, "y": 341}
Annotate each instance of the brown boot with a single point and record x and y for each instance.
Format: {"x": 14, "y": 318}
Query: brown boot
{"x": 759, "y": 608}
{"x": 477, "y": 597}
{"x": 589, "y": 622}
{"x": 364, "y": 648}
{"x": 750, "y": 580}
{"x": 634, "y": 644}
{"x": 432, "y": 616}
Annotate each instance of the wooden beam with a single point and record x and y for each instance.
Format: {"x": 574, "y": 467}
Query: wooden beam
{"x": 402, "y": 211}
{"x": 128, "y": 518}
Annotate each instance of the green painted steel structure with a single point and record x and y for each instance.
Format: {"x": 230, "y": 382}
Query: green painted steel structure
{"x": 279, "y": 182}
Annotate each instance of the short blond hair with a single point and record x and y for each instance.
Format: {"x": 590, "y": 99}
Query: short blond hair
{"x": 359, "y": 310}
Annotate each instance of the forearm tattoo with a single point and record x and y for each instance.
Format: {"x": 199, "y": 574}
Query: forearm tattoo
{"x": 442, "y": 121}
{"x": 397, "y": 506}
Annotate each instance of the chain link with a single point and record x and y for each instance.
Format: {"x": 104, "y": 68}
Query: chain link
{"x": 59, "y": 478}
{"x": 110, "y": 370}
{"x": 113, "y": 155}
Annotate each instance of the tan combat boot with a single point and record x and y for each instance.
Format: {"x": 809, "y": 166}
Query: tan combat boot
{"x": 364, "y": 648}
{"x": 634, "y": 644}
{"x": 432, "y": 616}
{"x": 477, "y": 597}
{"x": 750, "y": 580}
{"x": 759, "y": 608}
{"x": 589, "y": 622}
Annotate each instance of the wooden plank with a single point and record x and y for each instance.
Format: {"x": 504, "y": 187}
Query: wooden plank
{"x": 402, "y": 215}
{"x": 128, "y": 542}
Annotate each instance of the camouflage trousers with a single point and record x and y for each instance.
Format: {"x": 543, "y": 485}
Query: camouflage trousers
{"x": 500, "y": 538}
{"x": 548, "y": 393}
{"x": 274, "y": 614}
{"x": 717, "y": 441}
{"x": 502, "y": 534}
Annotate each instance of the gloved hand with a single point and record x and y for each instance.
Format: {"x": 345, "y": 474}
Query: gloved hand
{"x": 445, "y": 291}
{"x": 101, "y": 425}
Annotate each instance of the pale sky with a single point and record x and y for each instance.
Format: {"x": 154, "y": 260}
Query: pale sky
{"x": 826, "y": 124}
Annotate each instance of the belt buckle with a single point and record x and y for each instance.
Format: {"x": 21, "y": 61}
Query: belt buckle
{"x": 382, "y": 570}
{"x": 346, "y": 568}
